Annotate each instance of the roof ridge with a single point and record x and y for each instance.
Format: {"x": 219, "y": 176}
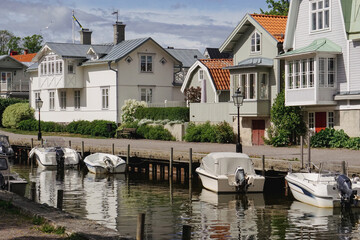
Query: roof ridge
{"x": 268, "y": 15}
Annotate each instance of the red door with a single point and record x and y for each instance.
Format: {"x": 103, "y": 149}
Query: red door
{"x": 258, "y": 131}
{"x": 320, "y": 121}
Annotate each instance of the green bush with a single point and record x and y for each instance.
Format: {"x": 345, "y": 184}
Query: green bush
{"x": 219, "y": 133}
{"x": 129, "y": 108}
{"x": 16, "y": 113}
{"x": 33, "y": 125}
{"x": 154, "y": 133}
{"x": 100, "y": 128}
{"x": 353, "y": 143}
{"x": 330, "y": 138}
{"x": 5, "y": 102}
{"x": 171, "y": 113}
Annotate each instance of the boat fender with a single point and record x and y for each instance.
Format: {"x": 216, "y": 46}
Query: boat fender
{"x": 240, "y": 180}
{"x": 2, "y": 182}
{"x": 346, "y": 192}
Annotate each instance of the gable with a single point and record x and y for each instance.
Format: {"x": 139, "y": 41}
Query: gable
{"x": 8, "y": 62}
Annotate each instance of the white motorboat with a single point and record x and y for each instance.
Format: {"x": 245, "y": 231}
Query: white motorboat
{"x": 5, "y": 147}
{"x": 229, "y": 172}
{"x": 51, "y": 157}
{"x": 101, "y": 163}
{"x": 325, "y": 188}
{"x": 10, "y": 181}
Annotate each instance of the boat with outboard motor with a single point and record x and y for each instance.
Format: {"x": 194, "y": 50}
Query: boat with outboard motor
{"x": 51, "y": 157}
{"x": 10, "y": 181}
{"x": 101, "y": 163}
{"x": 229, "y": 172}
{"x": 324, "y": 188}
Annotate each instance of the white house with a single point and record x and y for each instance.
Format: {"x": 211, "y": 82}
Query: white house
{"x": 91, "y": 81}
{"x": 322, "y": 63}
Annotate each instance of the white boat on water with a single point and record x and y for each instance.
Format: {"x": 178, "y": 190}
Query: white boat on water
{"x": 101, "y": 163}
{"x": 229, "y": 172}
{"x": 49, "y": 157}
{"x": 10, "y": 181}
{"x": 324, "y": 188}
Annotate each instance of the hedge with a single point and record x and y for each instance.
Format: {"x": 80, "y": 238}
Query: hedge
{"x": 219, "y": 133}
{"x": 5, "y": 102}
{"x": 154, "y": 133}
{"x": 33, "y": 125}
{"x": 331, "y": 138}
{"x": 171, "y": 113}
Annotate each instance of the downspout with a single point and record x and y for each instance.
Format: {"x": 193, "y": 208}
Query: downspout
{"x": 116, "y": 92}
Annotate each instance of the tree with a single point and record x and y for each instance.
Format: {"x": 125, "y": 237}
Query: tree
{"x": 280, "y": 7}
{"x": 5, "y": 37}
{"x": 288, "y": 123}
{"x": 192, "y": 94}
{"x": 15, "y": 44}
{"x": 33, "y": 43}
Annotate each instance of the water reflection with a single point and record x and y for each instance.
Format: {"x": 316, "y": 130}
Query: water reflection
{"x": 116, "y": 201}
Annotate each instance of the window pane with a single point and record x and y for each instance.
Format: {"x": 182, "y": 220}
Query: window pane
{"x": 326, "y": 19}
{"x": 320, "y": 20}
{"x": 252, "y": 83}
{"x": 327, "y": 3}
{"x": 243, "y": 86}
{"x": 313, "y": 6}
{"x": 313, "y": 21}
{"x": 311, "y": 72}
{"x": 320, "y": 5}
{"x": 322, "y": 72}
{"x": 304, "y": 73}
{"x": 297, "y": 74}
{"x": 264, "y": 86}
{"x": 311, "y": 121}
{"x": 290, "y": 75}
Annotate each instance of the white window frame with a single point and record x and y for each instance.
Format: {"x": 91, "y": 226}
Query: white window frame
{"x": 77, "y": 99}
{"x": 71, "y": 68}
{"x": 105, "y": 98}
{"x": 62, "y": 100}
{"x": 8, "y": 77}
{"x": 51, "y": 65}
{"x": 295, "y": 79}
{"x": 311, "y": 121}
{"x": 51, "y": 100}
{"x": 148, "y": 94}
{"x": 330, "y": 119}
{"x": 254, "y": 44}
{"x": 263, "y": 94}
{"x": 319, "y": 13}
{"x": 146, "y": 63}
{"x": 36, "y": 96}
{"x": 201, "y": 75}
{"x": 245, "y": 85}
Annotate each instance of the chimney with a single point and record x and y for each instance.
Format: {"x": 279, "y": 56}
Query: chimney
{"x": 26, "y": 51}
{"x": 85, "y": 36}
{"x": 119, "y": 32}
{"x": 13, "y": 53}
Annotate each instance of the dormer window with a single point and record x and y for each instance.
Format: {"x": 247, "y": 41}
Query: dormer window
{"x": 255, "y": 42}
{"x": 320, "y": 15}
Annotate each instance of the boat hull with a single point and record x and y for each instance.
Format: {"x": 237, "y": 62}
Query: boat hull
{"x": 47, "y": 159}
{"x": 220, "y": 184}
{"x": 97, "y": 165}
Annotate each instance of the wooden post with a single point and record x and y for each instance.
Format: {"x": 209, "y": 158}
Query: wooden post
{"x": 302, "y": 151}
{"x": 140, "y": 226}
{"x": 309, "y": 151}
{"x": 60, "y": 196}
{"x": 128, "y": 157}
{"x": 263, "y": 165}
{"x": 190, "y": 163}
{"x": 113, "y": 149}
{"x": 32, "y": 143}
{"x": 33, "y": 191}
{"x": 343, "y": 164}
{"x": 186, "y": 232}
{"x": 171, "y": 162}
{"x": 42, "y": 142}
{"x": 69, "y": 143}
{"x": 82, "y": 149}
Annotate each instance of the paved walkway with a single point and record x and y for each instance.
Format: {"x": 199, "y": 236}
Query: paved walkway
{"x": 282, "y": 153}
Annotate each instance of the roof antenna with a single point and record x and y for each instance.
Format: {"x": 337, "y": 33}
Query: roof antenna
{"x": 117, "y": 15}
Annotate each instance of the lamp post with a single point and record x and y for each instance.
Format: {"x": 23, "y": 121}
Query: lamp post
{"x": 238, "y": 101}
{"x": 39, "y": 104}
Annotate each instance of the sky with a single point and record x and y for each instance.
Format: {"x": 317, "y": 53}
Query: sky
{"x": 194, "y": 24}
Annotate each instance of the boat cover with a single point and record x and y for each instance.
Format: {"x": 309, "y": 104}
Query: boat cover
{"x": 225, "y": 163}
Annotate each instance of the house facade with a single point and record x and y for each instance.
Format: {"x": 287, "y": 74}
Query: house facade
{"x": 322, "y": 47}
{"x": 91, "y": 81}
{"x": 14, "y": 81}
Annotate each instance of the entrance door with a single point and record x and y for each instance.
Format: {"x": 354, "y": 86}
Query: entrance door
{"x": 320, "y": 121}
{"x": 258, "y": 131}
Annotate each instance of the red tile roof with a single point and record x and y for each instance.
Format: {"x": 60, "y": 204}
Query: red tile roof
{"x": 274, "y": 24}
{"x": 220, "y": 76}
{"x": 25, "y": 57}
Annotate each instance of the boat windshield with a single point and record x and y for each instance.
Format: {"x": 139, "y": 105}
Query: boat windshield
{"x": 4, "y": 140}
{"x": 54, "y": 142}
{"x": 3, "y": 164}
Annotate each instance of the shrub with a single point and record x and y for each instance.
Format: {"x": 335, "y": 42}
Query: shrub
{"x": 129, "y": 109}
{"x": 330, "y": 137}
{"x": 154, "y": 133}
{"x": 219, "y": 133}
{"x": 170, "y": 113}
{"x": 353, "y": 143}
{"x": 15, "y": 113}
{"x": 5, "y": 102}
{"x": 100, "y": 128}
{"x": 33, "y": 125}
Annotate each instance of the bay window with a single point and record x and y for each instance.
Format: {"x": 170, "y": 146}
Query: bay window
{"x": 248, "y": 85}
{"x": 51, "y": 65}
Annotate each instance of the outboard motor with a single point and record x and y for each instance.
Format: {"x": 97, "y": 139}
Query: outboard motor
{"x": 240, "y": 180}
{"x": 60, "y": 160}
{"x": 2, "y": 182}
{"x": 109, "y": 164}
{"x": 346, "y": 192}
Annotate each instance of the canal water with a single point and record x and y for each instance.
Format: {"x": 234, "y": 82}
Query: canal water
{"x": 115, "y": 201}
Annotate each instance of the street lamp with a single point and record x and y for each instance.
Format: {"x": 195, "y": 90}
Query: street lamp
{"x": 39, "y": 104}
{"x": 238, "y": 101}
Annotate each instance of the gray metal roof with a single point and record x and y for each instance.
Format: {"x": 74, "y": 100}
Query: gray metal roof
{"x": 33, "y": 67}
{"x": 253, "y": 62}
{"x": 102, "y": 49}
{"x": 69, "y": 49}
{"x": 3, "y": 57}
{"x": 186, "y": 56}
